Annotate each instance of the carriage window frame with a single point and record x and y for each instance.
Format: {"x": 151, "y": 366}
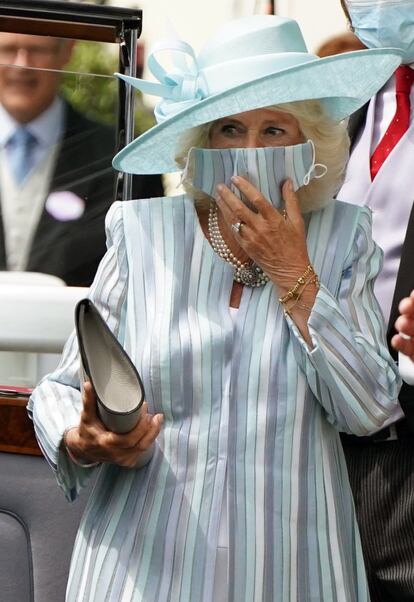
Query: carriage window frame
{"x": 80, "y": 22}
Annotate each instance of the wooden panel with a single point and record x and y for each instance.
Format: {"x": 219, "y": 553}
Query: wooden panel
{"x": 16, "y": 429}
{"x": 80, "y": 31}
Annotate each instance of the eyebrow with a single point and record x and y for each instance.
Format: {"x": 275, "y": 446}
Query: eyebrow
{"x": 228, "y": 120}
{"x": 279, "y": 120}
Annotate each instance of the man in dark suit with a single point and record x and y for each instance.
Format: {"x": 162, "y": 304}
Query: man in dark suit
{"x": 380, "y": 175}
{"x": 56, "y": 179}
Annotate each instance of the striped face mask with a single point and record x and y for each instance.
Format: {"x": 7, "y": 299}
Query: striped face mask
{"x": 265, "y": 168}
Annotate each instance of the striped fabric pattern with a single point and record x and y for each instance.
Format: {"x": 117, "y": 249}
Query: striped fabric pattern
{"x": 266, "y": 168}
{"x": 246, "y": 406}
{"x": 386, "y": 518}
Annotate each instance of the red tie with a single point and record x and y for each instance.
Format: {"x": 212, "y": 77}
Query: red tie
{"x": 404, "y": 78}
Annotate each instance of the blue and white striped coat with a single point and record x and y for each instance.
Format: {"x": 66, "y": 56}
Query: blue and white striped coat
{"x": 246, "y": 404}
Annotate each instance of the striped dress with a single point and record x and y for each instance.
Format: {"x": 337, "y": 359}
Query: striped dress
{"x": 250, "y": 413}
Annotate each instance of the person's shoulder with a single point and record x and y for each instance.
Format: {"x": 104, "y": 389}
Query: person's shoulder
{"x": 342, "y": 209}
{"x": 339, "y": 229}
{"x": 126, "y": 215}
{"x": 77, "y": 123}
{"x": 78, "y": 118}
{"x": 342, "y": 205}
{"x": 152, "y": 204}
{"x": 341, "y": 220}
{"x": 352, "y": 209}
{"x": 114, "y": 214}
{"x": 159, "y": 200}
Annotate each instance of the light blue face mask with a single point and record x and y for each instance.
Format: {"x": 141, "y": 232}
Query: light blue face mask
{"x": 265, "y": 168}
{"x": 384, "y": 23}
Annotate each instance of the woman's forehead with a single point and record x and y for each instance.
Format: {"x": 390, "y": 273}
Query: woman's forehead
{"x": 259, "y": 115}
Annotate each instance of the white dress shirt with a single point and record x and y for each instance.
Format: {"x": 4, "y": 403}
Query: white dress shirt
{"x": 22, "y": 205}
{"x": 385, "y": 107}
{"x": 391, "y": 195}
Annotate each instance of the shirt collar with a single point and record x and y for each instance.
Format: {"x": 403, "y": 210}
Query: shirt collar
{"x": 47, "y": 127}
{"x": 390, "y": 85}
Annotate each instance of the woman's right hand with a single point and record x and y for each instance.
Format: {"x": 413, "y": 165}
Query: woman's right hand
{"x": 90, "y": 441}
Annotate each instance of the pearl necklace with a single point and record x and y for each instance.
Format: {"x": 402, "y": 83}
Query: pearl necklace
{"x": 247, "y": 273}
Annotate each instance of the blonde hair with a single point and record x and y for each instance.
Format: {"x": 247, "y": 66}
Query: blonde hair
{"x": 331, "y": 145}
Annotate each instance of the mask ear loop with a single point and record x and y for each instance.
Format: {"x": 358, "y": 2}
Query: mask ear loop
{"x": 185, "y": 171}
{"x": 312, "y": 170}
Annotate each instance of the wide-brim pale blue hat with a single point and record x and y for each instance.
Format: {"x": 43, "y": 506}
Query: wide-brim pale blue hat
{"x": 251, "y": 63}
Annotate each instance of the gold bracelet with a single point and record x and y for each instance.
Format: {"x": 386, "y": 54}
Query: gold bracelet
{"x": 302, "y": 280}
{"x": 288, "y": 310}
{"x": 313, "y": 280}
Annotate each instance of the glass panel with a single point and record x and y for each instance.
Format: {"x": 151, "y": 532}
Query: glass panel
{"x": 58, "y": 113}
{"x": 57, "y": 140}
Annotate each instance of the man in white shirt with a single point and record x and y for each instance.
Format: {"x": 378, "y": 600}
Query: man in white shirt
{"x": 42, "y": 206}
{"x": 380, "y": 175}
{"x": 56, "y": 177}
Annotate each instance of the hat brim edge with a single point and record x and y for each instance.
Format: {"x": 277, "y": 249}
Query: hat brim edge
{"x": 354, "y": 76}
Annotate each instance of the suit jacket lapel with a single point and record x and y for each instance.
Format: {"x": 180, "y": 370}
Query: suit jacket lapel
{"x": 71, "y": 167}
{"x": 356, "y": 123}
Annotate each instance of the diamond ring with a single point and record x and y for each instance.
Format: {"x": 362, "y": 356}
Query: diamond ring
{"x": 237, "y": 227}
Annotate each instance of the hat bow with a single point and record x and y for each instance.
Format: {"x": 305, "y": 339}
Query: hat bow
{"x": 180, "y": 87}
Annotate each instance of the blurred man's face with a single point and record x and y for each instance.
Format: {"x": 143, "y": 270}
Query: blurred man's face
{"x": 26, "y": 90}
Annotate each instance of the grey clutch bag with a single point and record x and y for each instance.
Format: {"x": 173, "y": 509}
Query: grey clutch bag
{"x": 105, "y": 363}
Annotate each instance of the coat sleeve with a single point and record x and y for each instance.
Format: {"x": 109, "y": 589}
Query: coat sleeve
{"x": 56, "y": 403}
{"x": 349, "y": 368}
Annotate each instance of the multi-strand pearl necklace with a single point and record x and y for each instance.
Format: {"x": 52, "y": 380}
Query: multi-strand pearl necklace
{"x": 247, "y": 273}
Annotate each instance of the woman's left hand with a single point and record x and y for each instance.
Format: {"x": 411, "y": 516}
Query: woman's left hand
{"x": 275, "y": 241}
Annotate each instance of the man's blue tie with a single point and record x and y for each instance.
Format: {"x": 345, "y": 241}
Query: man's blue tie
{"x": 20, "y": 148}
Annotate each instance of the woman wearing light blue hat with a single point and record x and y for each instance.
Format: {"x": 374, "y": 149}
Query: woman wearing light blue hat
{"x": 248, "y": 310}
